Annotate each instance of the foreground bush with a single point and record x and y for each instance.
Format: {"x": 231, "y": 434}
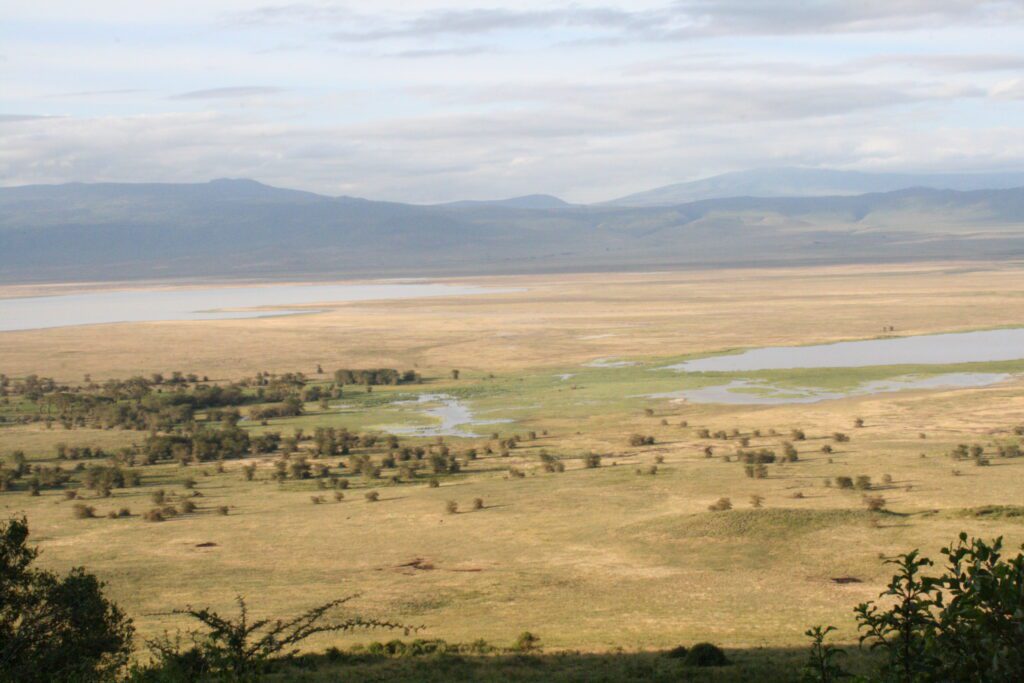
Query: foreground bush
{"x": 965, "y": 624}
{"x": 243, "y": 649}
{"x": 55, "y": 628}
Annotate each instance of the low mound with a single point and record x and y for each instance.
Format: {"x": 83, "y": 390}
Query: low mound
{"x": 764, "y": 523}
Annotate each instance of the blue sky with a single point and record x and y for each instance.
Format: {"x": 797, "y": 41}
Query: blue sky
{"x": 433, "y": 101}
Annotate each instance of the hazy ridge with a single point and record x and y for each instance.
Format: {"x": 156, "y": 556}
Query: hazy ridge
{"x": 242, "y": 228}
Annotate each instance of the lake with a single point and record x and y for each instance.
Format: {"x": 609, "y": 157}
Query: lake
{"x": 205, "y": 303}
{"x": 928, "y": 349}
{"x": 753, "y": 392}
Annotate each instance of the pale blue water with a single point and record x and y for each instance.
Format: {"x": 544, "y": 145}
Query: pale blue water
{"x": 750, "y": 392}
{"x": 454, "y": 418}
{"x": 930, "y": 349}
{"x": 203, "y": 303}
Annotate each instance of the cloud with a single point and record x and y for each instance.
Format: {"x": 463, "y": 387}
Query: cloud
{"x": 94, "y": 93}
{"x": 679, "y": 20}
{"x": 441, "y": 52}
{"x": 19, "y": 118}
{"x": 227, "y": 93}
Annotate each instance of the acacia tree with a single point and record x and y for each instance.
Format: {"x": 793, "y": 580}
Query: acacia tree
{"x": 240, "y": 649}
{"x": 51, "y": 627}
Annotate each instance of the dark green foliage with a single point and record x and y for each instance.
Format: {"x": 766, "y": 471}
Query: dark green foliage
{"x": 241, "y": 649}
{"x": 966, "y": 624}
{"x": 377, "y": 376}
{"x": 527, "y": 642}
{"x": 592, "y": 461}
{"x": 822, "y": 666}
{"x": 55, "y": 628}
{"x": 705, "y": 654}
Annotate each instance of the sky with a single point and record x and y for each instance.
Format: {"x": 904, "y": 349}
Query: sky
{"x": 434, "y": 100}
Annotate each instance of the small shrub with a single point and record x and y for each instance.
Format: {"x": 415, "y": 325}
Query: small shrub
{"x": 678, "y": 652}
{"x": 526, "y": 642}
{"x": 863, "y": 482}
{"x": 756, "y": 501}
{"x": 222, "y": 510}
{"x": 371, "y": 496}
{"x": 592, "y": 460}
{"x": 721, "y": 505}
{"x": 659, "y": 459}
{"x": 874, "y": 503}
{"x": 70, "y": 494}
{"x": 844, "y": 482}
{"x": 154, "y": 515}
{"x": 186, "y": 507}
{"x": 478, "y": 503}
{"x": 159, "y": 496}
{"x": 451, "y": 507}
{"x": 705, "y": 654}
{"x": 83, "y": 511}
{"x": 339, "y": 496}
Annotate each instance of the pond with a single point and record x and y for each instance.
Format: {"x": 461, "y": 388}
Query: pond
{"x": 451, "y": 417}
{"x": 205, "y": 303}
{"x": 930, "y": 349}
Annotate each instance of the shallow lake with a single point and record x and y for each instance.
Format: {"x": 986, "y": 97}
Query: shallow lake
{"x": 930, "y": 349}
{"x": 204, "y": 303}
{"x": 751, "y": 392}
{"x": 451, "y": 417}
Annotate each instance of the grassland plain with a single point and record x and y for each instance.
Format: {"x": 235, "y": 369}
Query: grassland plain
{"x": 591, "y": 558}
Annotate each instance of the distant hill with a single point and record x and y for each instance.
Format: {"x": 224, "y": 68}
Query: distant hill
{"x": 530, "y": 201}
{"x": 241, "y": 228}
{"x": 813, "y": 182}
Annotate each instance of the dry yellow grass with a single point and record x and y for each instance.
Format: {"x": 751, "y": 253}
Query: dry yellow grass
{"x": 557, "y": 320}
{"x": 587, "y": 558}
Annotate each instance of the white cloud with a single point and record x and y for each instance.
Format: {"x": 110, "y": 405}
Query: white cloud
{"x": 446, "y": 99}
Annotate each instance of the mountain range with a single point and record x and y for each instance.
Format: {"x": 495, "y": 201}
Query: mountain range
{"x": 242, "y": 228}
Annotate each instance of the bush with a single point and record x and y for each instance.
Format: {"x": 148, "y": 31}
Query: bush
{"x": 339, "y": 496}
{"x": 478, "y": 503}
{"x": 526, "y": 642}
{"x": 222, "y": 510}
{"x": 721, "y": 505}
{"x": 371, "y": 496}
{"x": 705, "y": 654}
{"x": 592, "y": 460}
{"x": 244, "y": 649}
{"x": 55, "y": 628}
{"x": 451, "y": 507}
{"x": 844, "y": 482}
{"x": 863, "y": 483}
{"x": 186, "y": 507}
{"x": 874, "y": 503}
{"x": 154, "y": 515}
{"x": 433, "y": 483}
{"x": 83, "y": 511}
{"x": 962, "y": 625}
{"x": 678, "y": 652}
